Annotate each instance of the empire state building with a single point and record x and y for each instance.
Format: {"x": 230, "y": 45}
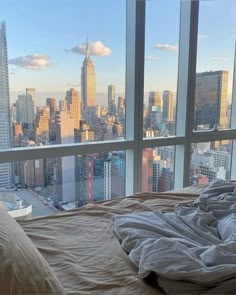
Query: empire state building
{"x": 5, "y": 133}
{"x": 88, "y": 85}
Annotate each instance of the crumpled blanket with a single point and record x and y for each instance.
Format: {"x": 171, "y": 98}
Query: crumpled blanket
{"x": 193, "y": 249}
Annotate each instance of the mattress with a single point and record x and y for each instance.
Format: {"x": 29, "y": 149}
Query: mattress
{"x": 81, "y": 248}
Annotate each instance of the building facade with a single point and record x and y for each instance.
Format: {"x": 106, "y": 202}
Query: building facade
{"x": 5, "y": 126}
{"x": 73, "y": 105}
{"x": 211, "y": 99}
{"x": 111, "y": 97}
{"x": 88, "y": 85}
{"x": 168, "y": 106}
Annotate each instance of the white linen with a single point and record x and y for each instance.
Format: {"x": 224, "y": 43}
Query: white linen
{"x": 196, "y": 243}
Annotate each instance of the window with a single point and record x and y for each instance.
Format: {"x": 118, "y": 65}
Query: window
{"x": 161, "y": 67}
{"x": 137, "y": 77}
{"x": 158, "y": 169}
{"x": 215, "y": 62}
{"x": 210, "y": 160}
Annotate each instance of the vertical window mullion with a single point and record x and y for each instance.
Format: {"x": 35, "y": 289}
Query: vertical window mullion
{"x": 186, "y": 88}
{"x": 135, "y": 40}
{"x": 233, "y": 120}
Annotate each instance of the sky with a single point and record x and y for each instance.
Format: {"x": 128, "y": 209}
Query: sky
{"x": 46, "y": 43}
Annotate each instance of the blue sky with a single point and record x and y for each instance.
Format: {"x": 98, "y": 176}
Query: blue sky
{"x": 43, "y": 36}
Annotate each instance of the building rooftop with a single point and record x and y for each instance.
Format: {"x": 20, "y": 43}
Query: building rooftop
{"x": 13, "y": 201}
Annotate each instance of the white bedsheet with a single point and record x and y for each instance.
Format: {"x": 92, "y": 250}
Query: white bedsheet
{"x": 196, "y": 243}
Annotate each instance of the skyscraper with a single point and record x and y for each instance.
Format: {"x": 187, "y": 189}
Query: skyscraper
{"x": 51, "y": 102}
{"x": 154, "y": 101}
{"x": 211, "y": 99}
{"x": 168, "y": 107}
{"x": 73, "y": 105}
{"x": 111, "y": 97}
{"x": 31, "y": 91}
{"x": 65, "y": 165}
{"x": 88, "y": 85}
{"x": 25, "y": 108}
{"x": 42, "y": 125}
{"x": 5, "y": 125}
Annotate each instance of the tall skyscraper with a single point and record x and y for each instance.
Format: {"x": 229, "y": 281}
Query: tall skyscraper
{"x": 5, "y": 124}
{"x": 42, "y": 126}
{"x": 121, "y": 108}
{"x": 51, "y": 102}
{"x": 65, "y": 165}
{"x": 111, "y": 97}
{"x": 168, "y": 107}
{"x": 25, "y": 108}
{"x": 211, "y": 99}
{"x": 154, "y": 101}
{"x": 31, "y": 91}
{"x": 73, "y": 105}
{"x": 62, "y": 105}
{"x": 88, "y": 85}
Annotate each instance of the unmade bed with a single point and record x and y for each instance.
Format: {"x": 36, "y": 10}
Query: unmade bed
{"x": 78, "y": 250}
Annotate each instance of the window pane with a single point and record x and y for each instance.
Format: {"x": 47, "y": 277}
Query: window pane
{"x": 161, "y": 65}
{"x": 210, "y": 160}
{"x": 63, "y": 183}
{"x": 66, "y": 74}
{"x": 158, "y": 169}
{"x": 215, "y": 61}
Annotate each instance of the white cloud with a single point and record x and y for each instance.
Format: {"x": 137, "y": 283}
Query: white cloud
{"x": 95, "y": 48}
{"x": 166, "y": 47}
{"x": 150, "y": 57}
{"x": 33, "y": 61}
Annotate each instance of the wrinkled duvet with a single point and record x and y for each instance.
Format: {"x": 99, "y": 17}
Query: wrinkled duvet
{"x": 193, "y": 249}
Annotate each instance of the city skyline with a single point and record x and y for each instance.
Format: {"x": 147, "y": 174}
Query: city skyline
{"x": 66, "y": 124}
{"x": 58, "y": 46}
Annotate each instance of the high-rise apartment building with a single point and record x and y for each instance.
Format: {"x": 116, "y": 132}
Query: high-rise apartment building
{"x": 65, "y": 165}
{"x": 84, "y": 179}
{"x": 62, "y": 105}
{"x": 73, "y": 105}
{"x": 121, "y": 108}
{"x": 5, "y": 126}
{"x": 25, "y": 108}
{"x": 111, "y": 97}
{"x": 84, "y": 133}
{"x": 88, "y": 85}
{"x": 211, "y": 99}
{"x": 31, "y": 91}
{"x": 42, "y": 125}
{"x": 51, "y": 102}
{"x": 154, "y": 101}
{"x": 168, "y": 106}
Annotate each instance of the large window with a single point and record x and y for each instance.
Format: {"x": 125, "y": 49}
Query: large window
{"x": 165, "y": 87}
{"x": 161, "y": 67}
{"x": 215, "y": 62}
{"x": 66, "y": 70}
{"x": 60, "y": 183}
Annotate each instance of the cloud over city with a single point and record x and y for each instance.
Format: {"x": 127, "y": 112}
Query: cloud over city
{"x": 96, "y": 48}
{"x": 150, "y": 57}
{"x": 32, "y": 62}
{"x": 166, "y": 47}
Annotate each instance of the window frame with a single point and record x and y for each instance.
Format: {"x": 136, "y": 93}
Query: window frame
{"x": 134, "y": 143}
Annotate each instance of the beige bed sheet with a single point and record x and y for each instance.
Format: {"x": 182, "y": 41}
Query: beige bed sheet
{"x": 81, "y": 248}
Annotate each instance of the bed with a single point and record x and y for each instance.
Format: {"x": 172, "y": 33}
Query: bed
{"x": 77, "y": 252}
